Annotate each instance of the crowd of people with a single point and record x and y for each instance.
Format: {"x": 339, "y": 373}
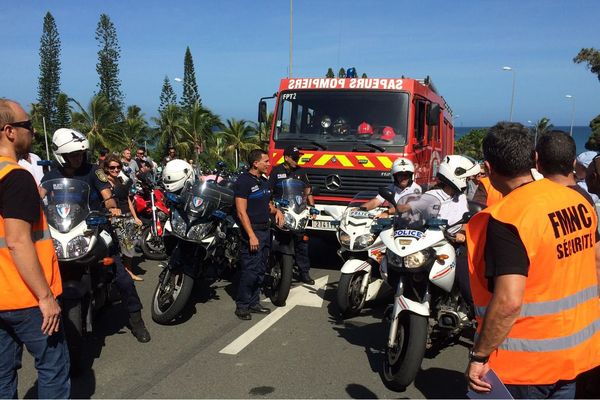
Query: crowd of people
{"x": 533, "y": 252}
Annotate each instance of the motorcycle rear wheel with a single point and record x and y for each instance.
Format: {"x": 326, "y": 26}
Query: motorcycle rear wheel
{"x": 349, "y": 299}
{"x": 171, "y": 295}
{"x": 152, "y": 246}
{"x": 282, "y": 271}
{"x": 402, "y": 362}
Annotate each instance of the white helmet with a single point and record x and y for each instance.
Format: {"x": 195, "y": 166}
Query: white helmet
{"x": 455, "y": 170}
{"x": 175, "y": 175}
{"x": 402, "y": 165}
{"x": 65, "y": 141}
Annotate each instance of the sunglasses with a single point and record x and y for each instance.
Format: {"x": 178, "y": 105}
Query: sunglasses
{"x": 114, "y": 167}
{"x": 21, "y": 124}
{"x": 140, "y": 154}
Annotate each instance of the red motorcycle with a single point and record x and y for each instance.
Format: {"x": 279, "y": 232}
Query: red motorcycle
{"x": 150, "y": 206}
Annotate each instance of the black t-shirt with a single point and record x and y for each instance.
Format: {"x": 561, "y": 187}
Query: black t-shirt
{"x": 121, "y": 195}
{"x": 19, "y": 197}
{"x": 280, "y": 172}
{"x": 257, "y": 192}
{"x": 90, "y": 174}
{"x": 504, "y": 250}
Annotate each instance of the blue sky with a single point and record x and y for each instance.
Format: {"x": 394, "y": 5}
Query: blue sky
{"x": 241, "y": 50}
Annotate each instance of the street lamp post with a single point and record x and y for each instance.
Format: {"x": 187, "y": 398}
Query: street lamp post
{"x": 512, "y": 98}
{"x": 535, "y": 130}
{"x": 572, "y": 98}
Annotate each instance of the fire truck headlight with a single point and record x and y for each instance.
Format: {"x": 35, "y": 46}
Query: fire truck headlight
{"x": 326, "y": 121}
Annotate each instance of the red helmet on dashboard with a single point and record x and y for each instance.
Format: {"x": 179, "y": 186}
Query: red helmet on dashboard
{"x": 388, "y": 134}
{"x": 365, "y": 129}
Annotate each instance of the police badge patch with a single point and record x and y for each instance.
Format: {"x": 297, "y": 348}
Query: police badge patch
{"x": 101, "y": 175}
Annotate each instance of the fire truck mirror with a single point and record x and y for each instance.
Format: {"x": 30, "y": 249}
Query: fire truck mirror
{"x": 433, "y": 119}
{"x": 262, "y": 111}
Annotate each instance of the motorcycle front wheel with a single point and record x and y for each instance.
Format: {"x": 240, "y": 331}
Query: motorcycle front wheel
{"x": 349, "y": 299}
{"x": 403, "y": 361}
{"x": 281, "y": 272}
{"x": 171, "y": 295}
{"x": 153, "y": 247}
{"x": 73, "y": 325}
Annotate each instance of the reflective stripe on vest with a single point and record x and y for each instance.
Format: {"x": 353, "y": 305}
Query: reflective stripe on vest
{"x": 557, "y": 333}
{"x": 551, "y": 307}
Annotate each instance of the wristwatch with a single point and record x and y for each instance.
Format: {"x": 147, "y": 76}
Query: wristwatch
{"x": 475, "y": 358}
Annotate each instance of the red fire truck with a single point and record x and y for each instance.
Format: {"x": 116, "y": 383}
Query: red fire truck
{"x": 350, "y": 131}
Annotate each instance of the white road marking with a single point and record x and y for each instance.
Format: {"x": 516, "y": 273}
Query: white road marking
{"x": 305, "y": 295}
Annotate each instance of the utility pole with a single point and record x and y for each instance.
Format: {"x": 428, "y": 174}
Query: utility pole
{"x": 291, "y": 35}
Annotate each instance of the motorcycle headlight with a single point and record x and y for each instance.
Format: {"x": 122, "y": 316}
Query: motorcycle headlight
{"x": 58, "y": 249}
{"x": 199, "y": 232}
{"x": 415, "y": 260}
{"x": 178, "y": 224}
{"x": 77, "y": 246}
{"x": 364, "y": 241}
{"x": 344, "y": 239}
{"x": 288, "y": 221}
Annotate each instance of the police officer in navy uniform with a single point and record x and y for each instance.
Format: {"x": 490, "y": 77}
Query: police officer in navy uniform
{"x": 290, "y": 169}
{"x": 70, "y": 149}
{"x": 253, "y": 211}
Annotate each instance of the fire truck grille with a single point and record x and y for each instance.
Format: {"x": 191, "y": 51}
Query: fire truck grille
{"x": 340, "y": 183}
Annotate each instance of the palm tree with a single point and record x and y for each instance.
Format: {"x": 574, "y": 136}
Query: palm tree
{"x": 134, "y": 128}
{"x": 542, "y": 126}
{"x": 168, "y": 121}
{"x": 196, "y": 129}
{"x": 239, "y": 138}
{"x": 97, "y": 123}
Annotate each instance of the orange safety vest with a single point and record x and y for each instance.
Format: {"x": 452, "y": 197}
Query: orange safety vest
{"x": 14, "y": 292}
{"x": 557, "y": 334}
{"x": 493, "y": 196}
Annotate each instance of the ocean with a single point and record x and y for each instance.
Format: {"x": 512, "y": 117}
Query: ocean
{"x": 580, "y": 134}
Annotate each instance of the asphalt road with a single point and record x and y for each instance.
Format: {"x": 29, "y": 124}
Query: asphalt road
{"x": 307, "y": 353}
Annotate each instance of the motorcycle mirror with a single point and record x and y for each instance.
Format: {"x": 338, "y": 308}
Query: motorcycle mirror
{"x": 475, "y": 207}
{"x": 467, "y": 217}
{"x": 387, "y": 194}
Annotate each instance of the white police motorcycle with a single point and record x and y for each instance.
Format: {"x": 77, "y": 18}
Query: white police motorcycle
{"x": 291, "y": 201}
{"x": 420, "y": 264}
{"x": 203, "y": 242}
{"x": 362, "y": 250}
{"x": 82, "y": 242}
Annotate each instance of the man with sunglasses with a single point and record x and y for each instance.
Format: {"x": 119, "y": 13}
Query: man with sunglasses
{"x": 30, "y": 280}
{"x": 290, "y": 169}
{"x": 70, "y": 151}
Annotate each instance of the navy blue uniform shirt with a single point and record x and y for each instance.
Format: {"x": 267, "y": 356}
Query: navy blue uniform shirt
{"x": 257, "y": 192}
{"x": 280, "y": 173}
{"x": 90, "y": 174}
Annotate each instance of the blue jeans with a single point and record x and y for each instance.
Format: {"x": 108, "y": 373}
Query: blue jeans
{"x": 254, "y": 267}
{"x": 558, "y": 390}
{"x": 24, "y": 327}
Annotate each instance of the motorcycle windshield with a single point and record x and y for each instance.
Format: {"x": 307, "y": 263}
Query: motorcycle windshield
{"x": 358, "y": 201}
{"x": 423, "y": 209}
{"x": 205, "y": 198}
{"x": 292, "y": 193}
{"x": 66, "y": 203}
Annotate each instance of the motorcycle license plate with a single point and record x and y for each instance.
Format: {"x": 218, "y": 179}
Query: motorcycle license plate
{"x": 322, "y": 225}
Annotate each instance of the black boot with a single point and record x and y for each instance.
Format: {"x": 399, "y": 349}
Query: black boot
{"x": 306, "y": 278}
{"x": 138, "y": 328}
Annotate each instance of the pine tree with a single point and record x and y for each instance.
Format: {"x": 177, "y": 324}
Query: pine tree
{"x": 330, "y": 73}
{"x": 190, "y": 88}
{"x": 49, "y": 79}
{"x": 342, "y": 73}
{"x": 108, "y": 63}
{"x": 63, "y": 113}
{"x": 364, "y": 76}
{"x": 167, "y": 95}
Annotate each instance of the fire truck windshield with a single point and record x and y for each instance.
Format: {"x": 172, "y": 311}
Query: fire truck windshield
{"x": 337, "y": 116}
